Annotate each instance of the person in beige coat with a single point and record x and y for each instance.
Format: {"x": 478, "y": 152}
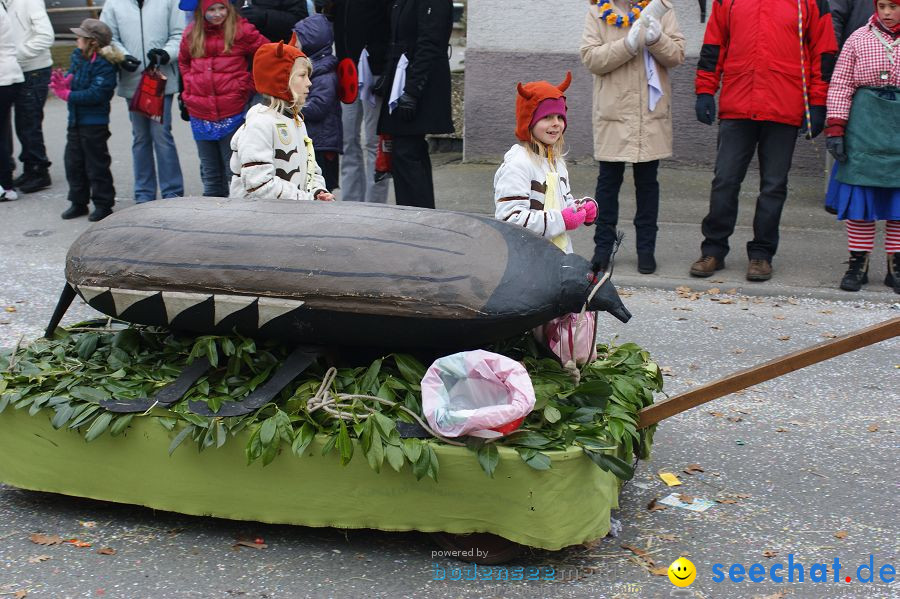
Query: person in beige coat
{"x": 629, "y": 47}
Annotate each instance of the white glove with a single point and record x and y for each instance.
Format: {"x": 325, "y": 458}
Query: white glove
{"x": 657, "y": 9}
{"x": 654, "y": 30}
{"x": 633, "y": 39}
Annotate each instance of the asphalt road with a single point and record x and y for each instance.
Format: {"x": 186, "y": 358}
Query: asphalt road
{"x": 808, "y": 459}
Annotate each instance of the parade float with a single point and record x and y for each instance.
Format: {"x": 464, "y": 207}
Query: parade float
{"x": 265, "y": 361}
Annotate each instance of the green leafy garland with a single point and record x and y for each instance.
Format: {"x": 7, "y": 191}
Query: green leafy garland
{"x": 100, "y": 360}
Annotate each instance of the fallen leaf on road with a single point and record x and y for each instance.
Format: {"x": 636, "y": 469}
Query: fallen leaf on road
{"x": 685, "y": 498}
{"x": 732, "y": 291}
{"x": 41, "y": 539}
{"x": 660, "y": 571}
{"x": 666, "y": 371}
{"x": 634, "y": 550}
{"x": 106, "y": 551}
{"x": 784, "y": 338}
{"x": 742, "y": 495}
{"x": 781, "y": 430}
{"x": 77, "y": 543}
{"x": 20, "y": 594}
{"x": 36, "y": 559}
{"x": 667, "y": 537}
{"x": 793, "y": 301}
{"x": 735, "y": 419}
{"x": 826, "y": 311}
{"x": 725, "y": 501}
{"x": 873, "y": 428}
{"x": 251, "y": 544}
{"x": 682, "y": 289}
{"x": 10, "y": 308}
{"x": 653, "y": 506}
{"x": 717, "y": 414}
{"x": 841, "y": 534}
{"x": 778, "y": 317}
{"x": 738, "y": 351}
{"x": 829, "y": 335}
{"x": 726, "y": 301}
{"x": 769, "y": 553}
{"x": 693, "y": 469}
{"x": 89, "y": 524}
{"x": 713, "y": 291}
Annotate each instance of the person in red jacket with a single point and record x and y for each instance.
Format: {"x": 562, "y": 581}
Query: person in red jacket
{"x": 774, "y": 60}
{"x": 214, "y": 58}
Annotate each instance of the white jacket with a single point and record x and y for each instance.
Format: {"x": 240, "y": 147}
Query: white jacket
{"x": 519, "y": 188}
{"x": 33, "y": 33}
{"x": 162, "y": 24}
{"x": 10, "y": 71}
{"x": 271, "y": 160}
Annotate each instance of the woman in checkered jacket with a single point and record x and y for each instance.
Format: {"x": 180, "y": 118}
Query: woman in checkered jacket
{"x": 863, "y": 109}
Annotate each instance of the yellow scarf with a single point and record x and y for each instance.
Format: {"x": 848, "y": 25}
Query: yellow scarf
{"x": 552, "y": 202}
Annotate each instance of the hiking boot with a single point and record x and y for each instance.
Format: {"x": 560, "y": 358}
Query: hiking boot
{"x": 892, "y": 278}
{"x": 74, "y": 211}
{"x": 759, "y": 269}
{"x": 35, "y": 180}
{"x": 99, "y": 213}
{"x": 706, "y": 266}
{"x": 646, "y": 264}
{"x": 858, "y": 273}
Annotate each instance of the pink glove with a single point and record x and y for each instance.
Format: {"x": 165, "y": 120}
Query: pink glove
{"x": 589, "y": 207}
{"x": 61, "y": 85}
{"x": 573, "y": 218}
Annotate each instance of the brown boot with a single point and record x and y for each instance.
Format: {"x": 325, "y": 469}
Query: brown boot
{"x": 706, "y": 266}
{"x": 759, "y": 270}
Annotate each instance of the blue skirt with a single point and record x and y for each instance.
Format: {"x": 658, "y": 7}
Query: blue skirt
{"x": 859, "y": 202}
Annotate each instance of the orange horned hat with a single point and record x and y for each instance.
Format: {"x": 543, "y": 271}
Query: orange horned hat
{"x": 531, "y": 96}
{"x": 272, "y": 68}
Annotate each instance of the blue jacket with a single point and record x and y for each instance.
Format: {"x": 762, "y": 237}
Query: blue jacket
{"x": 93, "y": 86}
{"x": 322, "y": 111}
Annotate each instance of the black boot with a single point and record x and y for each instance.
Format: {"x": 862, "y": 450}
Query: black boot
{"x": 99, "y": 213}
{"x": 892, "y": 278}
{"x": 74, "y": 211}
{"x": 35, "y": 180}
{"x": 858, "y": 273}
{"x": 646, "y": 264}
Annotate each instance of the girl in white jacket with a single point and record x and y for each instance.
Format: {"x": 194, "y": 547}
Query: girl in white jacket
{"x": 273, "y": 155}
{"x": 531, "y": 187}
{"x": 10, "y": 80}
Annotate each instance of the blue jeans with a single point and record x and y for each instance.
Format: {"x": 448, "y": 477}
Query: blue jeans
{"x": 215, "y": 171}
{"x": 149, "y": 137}
{"x": 29, "y": 107}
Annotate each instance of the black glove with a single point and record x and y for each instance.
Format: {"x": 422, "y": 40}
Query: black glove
{"x": 706, "y": 108}
{"x": 835, "y": 146}
{"x": 255, "y": 15}
{"x": 380, "y": 85}
{"x": 817, "y": 116}
{"x": 406, "y": 107}
{"x": 130, "y": 63}
{"x": 184, "y": 111}
{"x": 157, "y": 56}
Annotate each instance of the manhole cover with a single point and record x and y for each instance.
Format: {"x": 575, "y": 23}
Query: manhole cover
{"x": 38, "y": 233}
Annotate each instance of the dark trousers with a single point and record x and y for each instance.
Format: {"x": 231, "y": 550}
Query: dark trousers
{"x": 29, "y": 108}
{"x": 330, "y": 164}
{"x": 87, "y": 166}
{"x": 737, "y": 141}
{"x": 7, "y": 98}
{"x": 411, "y": 170}
{"x": 646, "y": 188}
{"x": 215, "y": 166}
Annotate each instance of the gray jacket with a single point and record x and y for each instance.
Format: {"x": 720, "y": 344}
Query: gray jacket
{"x": 849, "y": 15}
{"x": 137, "y": 29}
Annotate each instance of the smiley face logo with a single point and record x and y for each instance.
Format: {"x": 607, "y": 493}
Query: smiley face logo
{"x": 682, "y": 572}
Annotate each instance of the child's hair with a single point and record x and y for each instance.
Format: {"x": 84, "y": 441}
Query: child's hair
{"x": 198, "y": 33}
{"x": 91, "y": 47}
{"x": 538, "y": 151}
{"x": 282, "y": 106}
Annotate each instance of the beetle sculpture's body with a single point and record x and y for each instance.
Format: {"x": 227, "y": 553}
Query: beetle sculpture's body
{"x": 328, "y": 273}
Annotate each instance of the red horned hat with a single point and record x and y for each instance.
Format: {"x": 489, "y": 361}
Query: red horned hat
{"x": 531, "y": 95}
{"x": 272, "y": 68}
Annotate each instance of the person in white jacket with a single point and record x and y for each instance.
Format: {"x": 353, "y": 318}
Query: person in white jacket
{"x": 149, "y": 32}
{"x": 273, "y": 156}
{"x": 10, "y": 81}
{"x": 32, "y": 33}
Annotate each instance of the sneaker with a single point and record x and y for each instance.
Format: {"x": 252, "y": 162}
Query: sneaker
{"x": 99, "y": 213}
{"x": 38, "y": 180}
{"x": 759, "y": 269}
{"x": 706, "y": 266}
{"x": 74, "y": 211}
{"x": 892, "y": 278}
{"x": 8, "y": 195}
{"x": 858, "y": 273}
{"x": 646, "y": 264}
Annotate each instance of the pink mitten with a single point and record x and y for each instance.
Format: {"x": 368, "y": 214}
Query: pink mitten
{"x": 589, "y": 207}
{"x": 573, "y": 218}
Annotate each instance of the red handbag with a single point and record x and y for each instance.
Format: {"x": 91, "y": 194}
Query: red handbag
{"x": 149, "y": 97}
{"x": 348, "y": 81}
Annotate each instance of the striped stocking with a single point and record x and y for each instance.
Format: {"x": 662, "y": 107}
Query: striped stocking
{"x": 892, "y": 236}
{"x": 860, "y": 235}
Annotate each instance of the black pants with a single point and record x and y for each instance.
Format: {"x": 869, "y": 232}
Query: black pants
{"x": 7, "y": 97}
{"x": 87, "y": 166}
{"x": 330, "y": 164}
{"x": 646, "y": 189}
{"x": 737, "y": 141}
{"x": 30, "y": 101}
{"x": 411, "y": 169}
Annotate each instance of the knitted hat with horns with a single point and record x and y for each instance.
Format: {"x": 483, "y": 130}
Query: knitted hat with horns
{"x": 272, "y": 68}
{"x": 529, "y": 98}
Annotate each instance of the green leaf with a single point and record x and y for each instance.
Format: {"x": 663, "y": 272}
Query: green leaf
{"x": 87, "y": 345}
{"x": 488, "y": 458}
{"x": 367, "y": 385}
{"x": 120, "y": 425}
{"x": 375, "y": 454}
{"x": 167, "y": 423}
{"x": 267, "y": 431}
{"x": 412, "y": 449}
{"x": 63, "y": 413}
{"x": 221, "y": 435}
{"x": 84, "y": 416}
{"x": 211, "y": 353}
{"x": 128, "y": 340}
{"x": 303, "y": 438}
{"x": 410, "y": 369}
{"x": 329, "y": 444}
{"x": 535, "y": 459}
{"x": 99, "y": 426}
{"x": 528, "y": 439}
{"x": 394, "y": 457}
{"x": 551, "y": 414}
{"x": 422, "y": 465}
{"x": 4, "y": 401}
{"x": 344, "y": 445}
{"x": 611, "y": 463}
{"x": 89, "y": 394}
{"x": 181, "y": 436}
